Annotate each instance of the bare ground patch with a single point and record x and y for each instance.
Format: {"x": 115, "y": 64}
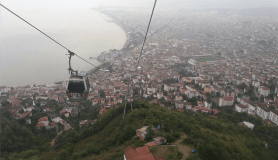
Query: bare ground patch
{"x": 185, "y": 150}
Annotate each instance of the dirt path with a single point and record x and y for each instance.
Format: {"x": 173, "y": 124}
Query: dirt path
{"x": 185, "y": 150}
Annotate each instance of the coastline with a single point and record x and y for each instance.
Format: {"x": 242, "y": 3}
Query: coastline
{"x": 113, "y": 20}
{"x": 124, "y": 29}
{"x": 95, "y": 69}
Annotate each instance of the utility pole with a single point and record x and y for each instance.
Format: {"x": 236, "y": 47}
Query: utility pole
{"x": 131, "y": 106}
{"x": 126, "y": 95}
{"x": 124, "y": 109}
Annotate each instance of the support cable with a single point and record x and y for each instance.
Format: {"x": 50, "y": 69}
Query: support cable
{"x": 129, "y": 79}
{"x": 147, "y": 32}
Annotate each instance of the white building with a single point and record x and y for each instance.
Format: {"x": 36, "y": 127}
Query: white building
{"x": 273, "y": 116}
{"x": 252, "y": 108}
{"x": 5, "y": 89}
{"x": 263, "y": 111}
{"x": 192, "y": 62}
{"x": 57, "y": 119}
{"x": 192, "y": 94}
{"x": 179, "y": 104}
{"x": 167, "y": 88}
{"x": 226, "y": 101}
{"x": 175, "y": 59}
{"x": 208, "y": 105}
{"x": 28, "y": 108}
{"x": 151, "y": 90}
{"x": 264, "y": 91}
{"x": 249, "y": 125}
{"x": 241, "y": 108}
{"x": 159, "y": 95}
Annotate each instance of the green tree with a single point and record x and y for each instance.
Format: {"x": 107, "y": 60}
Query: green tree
{"x": 5, "y": 103}
{"x": 139, "y": 143}
{"x": 102, "y": 93}
{"x": 150, "y": 134}
{"x": 262, "y": 98}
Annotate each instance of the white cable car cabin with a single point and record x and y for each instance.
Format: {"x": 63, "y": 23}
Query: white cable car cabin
{"x": 78, "y": 87}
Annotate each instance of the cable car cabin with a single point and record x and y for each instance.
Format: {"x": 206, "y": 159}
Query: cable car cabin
{"x": 78, "y": 87}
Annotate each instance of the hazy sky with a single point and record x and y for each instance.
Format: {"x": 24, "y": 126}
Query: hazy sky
{"x": 71, "y": 4}
{"x": 38, "y": 10}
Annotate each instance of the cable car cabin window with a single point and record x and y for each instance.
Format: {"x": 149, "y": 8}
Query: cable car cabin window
{"x": 76, "y": 86}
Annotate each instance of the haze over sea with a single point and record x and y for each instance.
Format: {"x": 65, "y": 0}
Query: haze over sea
{"x": 29, "y": 57}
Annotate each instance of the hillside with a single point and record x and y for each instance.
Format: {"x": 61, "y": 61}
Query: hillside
{"x": 108, "y": 137}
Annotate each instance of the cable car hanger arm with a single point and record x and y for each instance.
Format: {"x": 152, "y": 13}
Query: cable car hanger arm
{"x": 71, "y": 71}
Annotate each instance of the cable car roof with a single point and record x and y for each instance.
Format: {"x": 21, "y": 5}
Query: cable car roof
{"x": 82, "y": 73}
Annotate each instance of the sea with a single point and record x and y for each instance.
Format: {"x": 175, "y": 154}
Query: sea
{"x": 27, "y": 57}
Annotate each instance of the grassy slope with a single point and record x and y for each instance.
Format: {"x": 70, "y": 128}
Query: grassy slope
{"x": 111, "y": 135}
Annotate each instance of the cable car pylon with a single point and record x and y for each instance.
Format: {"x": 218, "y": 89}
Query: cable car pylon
{"x": 127, "y": 94}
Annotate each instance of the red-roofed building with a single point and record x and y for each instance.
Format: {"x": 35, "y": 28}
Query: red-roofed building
{"x": 141, "y": 153}
{"x": 180, "y": 110}
{"x": 11, "y": 99}
{"x": 102, "y": 101}
{"x": 75, "y": 103}
{"x": 226, "y": 101}
{"x": 5, "y": 89}
{"x": 141, "y": 133}
{"x": 95, "y": 101}
{"x": 83, "y": 123}
{"x": 241, "y": 108}
{"x": 46, "y": 109}
{"x": 39, "y": 125}
{"x": 13, "y": 111}
{"x": 263, "y": 111}
{"x": 153, "y": 101}
{"x": 63, "y": 111}
{"x": 52, "y": 124}
{"x": 178, "y": 98}
{"x": 159, "y": 95}
{"x": 150, "y": 144}
{"x": 107, "y": 95}
{"x": 159, "y": 140}
{"x": 186, "y": 79}
{"x": 16, "y": 103}
{"x": 267, "y": 100}
{"x": 43, "y": 121}
{"x": 264, "y": 91}
{"x": 205, "y": 110}
{"x": 211, "y": 116}
{"x": 25, "y": 114}
{"x": 244, "y": 101}
{"x": 102, "y": 110}
{"x": 61, "y": 100}
{"x": 13, "y": 93}
{"x": 273, "y": 116}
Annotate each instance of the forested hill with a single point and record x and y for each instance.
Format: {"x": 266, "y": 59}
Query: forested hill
{"x": 213, "y": 139}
